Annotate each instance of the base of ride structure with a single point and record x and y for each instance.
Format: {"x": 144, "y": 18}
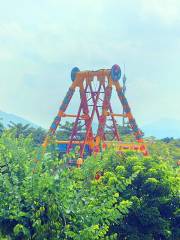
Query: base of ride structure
{"x": 95, "y": 91}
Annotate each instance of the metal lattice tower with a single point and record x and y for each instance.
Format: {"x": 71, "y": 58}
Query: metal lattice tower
{"x": 95, "y": 100}
{"x": 124, "y": 91}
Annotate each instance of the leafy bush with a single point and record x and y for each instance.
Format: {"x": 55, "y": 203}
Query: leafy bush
{"x": 154, "y": 213}
{"x": 135, "y": 197}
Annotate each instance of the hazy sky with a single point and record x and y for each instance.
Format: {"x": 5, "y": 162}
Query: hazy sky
{"x": 41, "y": 40}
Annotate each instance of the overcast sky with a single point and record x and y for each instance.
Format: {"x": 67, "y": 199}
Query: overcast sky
{"x": 42, "y": 40}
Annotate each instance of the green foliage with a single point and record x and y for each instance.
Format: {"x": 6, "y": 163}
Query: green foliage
{"x": 38, "y": 135}
{"x": 1, "y": 128}
{"x": 135, "y": 197}
{"x": 155, "y": 199}
{"x": 125, "y": 133}
{"x": 18, "y": 129}
{"x": 45, "y": 200}
{"x": 167, "y": 150}
{"x": 65, "y": 130}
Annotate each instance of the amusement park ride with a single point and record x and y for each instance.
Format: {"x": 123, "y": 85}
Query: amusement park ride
{"x": 95, "y": 103}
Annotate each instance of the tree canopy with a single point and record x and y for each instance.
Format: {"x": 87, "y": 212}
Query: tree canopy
{"x": 135, "y": 197}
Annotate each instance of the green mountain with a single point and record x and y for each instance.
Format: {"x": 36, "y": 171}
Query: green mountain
{"x": 6, "y": 118}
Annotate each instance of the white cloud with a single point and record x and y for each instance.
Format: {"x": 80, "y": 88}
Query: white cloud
{"x": 167, "y": 11}
{"x": 12, "y": 30}
{"x": 41, "y": 40}
{"x": 6, "y": 55}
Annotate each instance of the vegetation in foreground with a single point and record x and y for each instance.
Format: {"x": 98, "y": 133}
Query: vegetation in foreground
{"x": 135, "y": 198}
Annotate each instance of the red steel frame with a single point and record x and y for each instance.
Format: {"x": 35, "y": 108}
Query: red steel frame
{"x": 83, "y": 81}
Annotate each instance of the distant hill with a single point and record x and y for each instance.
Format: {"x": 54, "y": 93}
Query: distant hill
{"x": 6, "y": 118}
{"x": 159, "y": 129}
{"x": 163, "y": 128}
